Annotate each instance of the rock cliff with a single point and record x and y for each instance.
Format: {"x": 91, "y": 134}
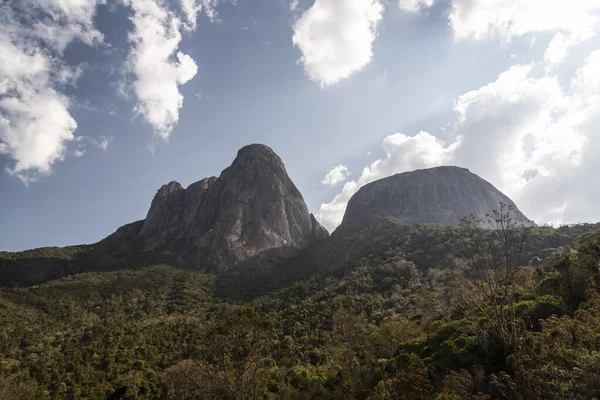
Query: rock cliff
{"x": 253, "y": 208}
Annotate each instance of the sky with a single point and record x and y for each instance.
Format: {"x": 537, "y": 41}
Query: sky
{"x": 103, "y": 101}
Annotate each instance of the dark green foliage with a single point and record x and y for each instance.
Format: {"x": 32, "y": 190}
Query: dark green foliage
{"x": 102, "y": 334}
{"x": 391, "y": 318}
{"x": 542, "y": 307}
{"x": 571, "y": 272}
{"x": 121, "y": 250}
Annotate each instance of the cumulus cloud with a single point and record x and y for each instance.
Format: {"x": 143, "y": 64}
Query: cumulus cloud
{"x": 336, "y": 38}
{"x": 35, "y": 123}
{"x": 558, "y": 49}
{"x": 158, "y": 66}
{"x": 413, "y": 6}
{"x": 572, "y": 21}
{"x": 59, "y": 22}
{"x": 336, "y": 175}
{"x": 587, "y": 78}
{"x": 481, "y": 18}
{"x": 35, "y": 128}
{"x": 191, "y": 9}
{"x": 550, "y": 176}
{"x": 403, "y": 153}
{"x": 524, "y": 132}
{"x": 497, "y": 117}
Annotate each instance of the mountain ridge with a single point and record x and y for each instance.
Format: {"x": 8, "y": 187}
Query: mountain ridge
{"x": 251, "y": 219}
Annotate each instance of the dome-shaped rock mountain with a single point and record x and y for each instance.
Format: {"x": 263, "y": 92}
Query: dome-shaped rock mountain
{"x": 441, "y": 195}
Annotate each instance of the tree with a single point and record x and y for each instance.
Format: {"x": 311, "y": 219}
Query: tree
{"x": 563, "y": 359}
{"x": 349, "y": 332}
{"x": 576, "y": 267}
{"x": 13, "y": 388}
{"x": 232, "y": 356}
{"x": 411, "y": 384}
{"x": 493, "y": 249}
{"x": 385, "y": 339}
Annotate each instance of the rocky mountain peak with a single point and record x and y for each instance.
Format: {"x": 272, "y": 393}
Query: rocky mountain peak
{"x": 169, "y": 188}
{"x": 260, "y": 153}
{"x": 251, "y": 209}
{"x": 166, "y": 209}
{"x": 441, "y": 195}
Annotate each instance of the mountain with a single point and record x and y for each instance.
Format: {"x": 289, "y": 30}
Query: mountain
{"x": 441, "y": 195}
{"x": 385, "y": 307}
{"x": 251, "y": 225}
{"x": 252, "y": 208}
{"x": 252, "y": 214}
{"x": 417, "y": 211}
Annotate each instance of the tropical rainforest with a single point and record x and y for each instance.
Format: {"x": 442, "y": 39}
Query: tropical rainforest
{"x": 414, "y": 312}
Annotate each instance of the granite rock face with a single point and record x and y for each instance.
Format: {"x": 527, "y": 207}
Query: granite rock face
{"x": 167, "y": 209}
{"x": 442, "y": 195}
{"x": 253, "y": 207}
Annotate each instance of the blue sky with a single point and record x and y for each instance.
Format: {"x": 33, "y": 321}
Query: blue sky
{"x": 102, "y": 102}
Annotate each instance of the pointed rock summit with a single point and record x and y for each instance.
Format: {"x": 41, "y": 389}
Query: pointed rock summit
{"x": 442, "y": 195}
{"x": 253, "y": 208}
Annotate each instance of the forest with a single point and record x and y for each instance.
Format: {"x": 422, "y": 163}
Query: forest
{"x": 492, "y": 309}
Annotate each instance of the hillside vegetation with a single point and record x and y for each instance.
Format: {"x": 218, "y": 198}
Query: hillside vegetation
{"x": 380, "y": 311}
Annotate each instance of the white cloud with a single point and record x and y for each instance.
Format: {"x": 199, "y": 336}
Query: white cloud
{"x": 158, "y": 66}
{"x": 337, "y": 174}
{"x": 102, "y": 144}
{"x": 534, "y": 140}
{"x": 414, "y": 6}
{"x": 403, "y": 153}
{"x": 572, "y": 21}
{"x": 35, "y": 123}
{"x": 558, "y": 49}
{"x": 202, "y": 96}
{"x": 587, "y": 78}
{"x": 294, "y": 5}
{"x": 482, "y": 18}
{"x": 497, "y": 117}
{"x": 192, "y": 8}
{"x": 82, "y": 141}
{"x": 155, "y": 60}
{"x": 34, "y": 130}
{"x": 336, "y": 38}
